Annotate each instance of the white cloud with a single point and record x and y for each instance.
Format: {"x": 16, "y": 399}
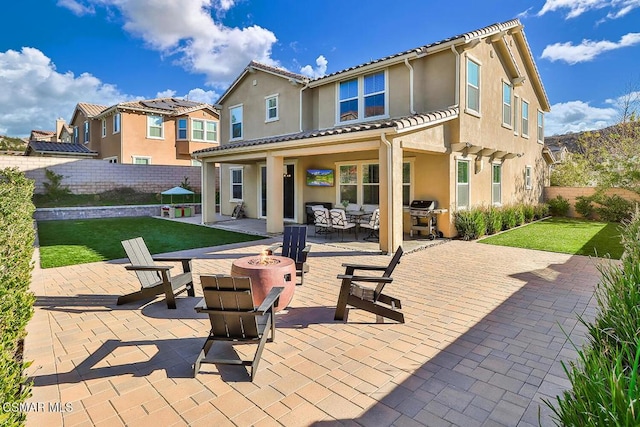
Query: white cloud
{"x": 319, "y": 71}
{"x": 201, "y": 95}
{"x": 33, "y": 94}
{"x": 578, "y": 7}
{"x": 578, "y": 116}
{"x": 186, "y": 32}
{"x": 587, "y": 50}
{"x": 77, "y": 8}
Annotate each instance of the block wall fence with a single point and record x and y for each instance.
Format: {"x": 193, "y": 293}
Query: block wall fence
{"x": 90, "y": 176}
{"x": 572, "y": 193}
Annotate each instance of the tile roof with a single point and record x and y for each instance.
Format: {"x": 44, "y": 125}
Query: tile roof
{"x": 165, "y": 106}
{"x": 397, "y": 123}
{"x": 46, "y": 133}
{"x": 91, "y": 110}
{"x": 59, "y": 148}
{"x": 277, "y": 70}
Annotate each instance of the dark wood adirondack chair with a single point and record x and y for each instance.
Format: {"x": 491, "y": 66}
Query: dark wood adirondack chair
{"x": 294, "y": 246}
{"x": 155, "y": 279}
{"x": 353, "y": 293}
{"x": 229, "y": 304}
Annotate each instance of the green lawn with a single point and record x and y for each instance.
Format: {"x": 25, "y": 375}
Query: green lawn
{"x": 565, "y": 235}
{"x": 81, "y": 241}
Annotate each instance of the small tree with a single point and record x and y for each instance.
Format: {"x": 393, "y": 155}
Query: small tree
{"x": 54, "y": 188}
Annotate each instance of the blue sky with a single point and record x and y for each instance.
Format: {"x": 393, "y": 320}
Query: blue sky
{"x": 56, "y": 53}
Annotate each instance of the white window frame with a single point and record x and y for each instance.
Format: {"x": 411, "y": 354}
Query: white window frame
{"x": 528, "y": 177}
{"x": 117, "y": 122}
{"x": 507, "y": 114}
{"x": 275, "y": 97}
{"x": 361, "y": 98}
{"x": 540, "y": 126}
{"x": 76, "y": 135}
{"x": 232, "y": 184}
{"x": 360, "y": 164}
{"x": 86, "y": 131}
{"x": 205, "y": 123}
{"x": 112, "y": 159}
{"x": 195, "y": 162}
{"x": 135, "y": 158}
{"x": 149, "y": 126}
{"x": 231, "y": 137}
{"x": 411, "y": 163}
{"x": 103, "y": 124}
{"x": 185, "y": 129}
{"x": 525, "y": 119}
{"x": 496, "y": 186}
{"x": 516, "y": 114}
{"x": 469, "y": 85}
{"x": 368, "y": 184}
{"x": 467, "y": 184}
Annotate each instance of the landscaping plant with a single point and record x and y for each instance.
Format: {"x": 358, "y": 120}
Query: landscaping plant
{"x": 604, "y": 380}
{"x": 16, "y": 302}
{"x": 493, "y": 220}
{"x": 559, "y": 206}
{"x": 584, "y": 206}
{"x": 470, "y": 224}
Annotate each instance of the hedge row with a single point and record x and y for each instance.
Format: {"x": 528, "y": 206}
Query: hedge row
{"x": 16, "y": 302}
{"x": 605, "y": 388}
{"x": 474, "y": 223}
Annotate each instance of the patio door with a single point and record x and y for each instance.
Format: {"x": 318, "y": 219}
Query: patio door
{"x": 288, "y": 189}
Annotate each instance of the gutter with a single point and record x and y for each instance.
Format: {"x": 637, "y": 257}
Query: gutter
{"x": 457, "y": 88}
{"x": 301, "y": 89}
{"x": 406, "y": 62}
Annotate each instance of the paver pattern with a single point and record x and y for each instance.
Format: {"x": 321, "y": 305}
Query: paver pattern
{"x": 486, "y": 328}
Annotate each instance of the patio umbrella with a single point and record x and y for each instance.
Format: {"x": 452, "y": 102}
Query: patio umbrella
{"x": 176, "y": 191}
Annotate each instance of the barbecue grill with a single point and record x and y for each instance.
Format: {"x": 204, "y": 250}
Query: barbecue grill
{"x": 423, "y": 217}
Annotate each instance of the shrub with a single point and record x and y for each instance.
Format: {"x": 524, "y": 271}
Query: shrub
{"x": 16, "y": 302}
{"x": 508, "y": 217}
{"x": 559, "y": 206}
{"x": 613, "y": 208}
{"x": 604, "y": 381}
{"x": 53, "y": 189}
{"x": 518, "y": 214}
{"x": 493, "y": 220}
{"x": 541, "y": 210}
{"x": 470, "y": 224}
{"x": 529, "y": 212}
{"x": 584, "y": 206}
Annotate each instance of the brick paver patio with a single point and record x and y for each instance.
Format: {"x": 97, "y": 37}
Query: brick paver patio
{"x": 481, "y": 345}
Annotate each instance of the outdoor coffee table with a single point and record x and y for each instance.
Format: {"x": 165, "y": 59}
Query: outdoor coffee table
{"x": 265, "y": 273}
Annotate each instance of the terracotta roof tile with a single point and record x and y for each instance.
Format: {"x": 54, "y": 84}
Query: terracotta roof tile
{"x": 90, "y": 110}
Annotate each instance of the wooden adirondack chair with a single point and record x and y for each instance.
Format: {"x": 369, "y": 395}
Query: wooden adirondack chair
{"x": 294, "y": 246}
{"x": 229, "y": 304}
{"x": 369, "y": 299}
{"x": 155, "y": 279}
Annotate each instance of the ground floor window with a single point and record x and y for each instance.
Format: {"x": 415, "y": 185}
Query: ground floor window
{"x": 527, "y": 177}
{"x": 462, "y": 184}
{"x": 359, "y": 183}
{"x": 140, "y": 160}
{"x": 236, "y": 184}
{"x": 496, "y": 184}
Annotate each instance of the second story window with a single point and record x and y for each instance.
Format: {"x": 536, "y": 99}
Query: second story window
{"x": 506, "y": 104}
{"x": 362, "y": 97}
{"x": 525, "y": 118}
{"x": 235, "y": 115}
{"x": 155, "y": 127}
{"x": 182, "y": 129}
{"x": 103, "y": 122}
{"x": 204, "y": 130}
{"x": 540, "y": 127}
{"x": 271, "y": 108}
{"x": 86, "y": 132}
{"x": 116, "y": 123}
{"x": 473, "y": 86}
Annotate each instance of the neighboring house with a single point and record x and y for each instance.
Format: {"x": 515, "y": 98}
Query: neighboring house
{"x": 58, "y": 143}
{"x": 157, "y": 131}
{"x": 459, "y": 121}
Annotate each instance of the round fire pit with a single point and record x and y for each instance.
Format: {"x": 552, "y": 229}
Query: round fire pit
{"x": 265, "y": 273}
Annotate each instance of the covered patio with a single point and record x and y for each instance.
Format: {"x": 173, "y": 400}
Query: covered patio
{"x": 482, "y": 344}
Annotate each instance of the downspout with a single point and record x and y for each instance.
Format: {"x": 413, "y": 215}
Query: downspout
{"x": 406, "y": 62}
{"x": 301, "y": 89}
{"x": 457, "y": 88}
{"x": 386, "y": 142}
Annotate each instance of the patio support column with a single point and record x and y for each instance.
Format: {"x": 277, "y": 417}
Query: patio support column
{"x": 209, "y": 177}
{"x": 391, "y": 211}
{"x": 275, "y": 194}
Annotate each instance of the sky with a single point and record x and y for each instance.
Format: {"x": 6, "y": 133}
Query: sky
{"x": 57, "y": 53}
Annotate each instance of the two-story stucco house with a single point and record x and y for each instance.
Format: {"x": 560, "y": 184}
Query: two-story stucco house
{"x": 161, "y": 131}
{"x": 459, "y": 121}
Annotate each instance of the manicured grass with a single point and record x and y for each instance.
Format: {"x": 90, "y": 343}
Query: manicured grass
{"x": 565, "y": 235}
{"x": 81, "y": 241}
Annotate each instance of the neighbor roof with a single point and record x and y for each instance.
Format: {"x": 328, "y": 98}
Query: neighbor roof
{"x": 400, "y": 124}
{"x": 60, "y": 148}
{"x": 162, "y": 106}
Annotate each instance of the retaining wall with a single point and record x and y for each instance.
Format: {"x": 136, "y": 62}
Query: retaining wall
{"x": 90, "y": 176}
{"x": 45, "y": 214}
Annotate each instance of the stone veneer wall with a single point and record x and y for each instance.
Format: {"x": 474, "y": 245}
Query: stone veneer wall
{"x": 572, "y": 193}
{"x": 90, "y": 176}
{"x": 45, "y": 214}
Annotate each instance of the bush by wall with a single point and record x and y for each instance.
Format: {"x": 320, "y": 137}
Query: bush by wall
{"x": 16, "y": 302}
{"x": 470, "y": 223}
{"x": 604, "y": 380}
{"x": 474, "y": 223}
{"x": 559, "y": 206}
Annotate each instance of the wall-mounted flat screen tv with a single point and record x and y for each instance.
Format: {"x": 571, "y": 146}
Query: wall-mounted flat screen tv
{"x": 320, "y": 177}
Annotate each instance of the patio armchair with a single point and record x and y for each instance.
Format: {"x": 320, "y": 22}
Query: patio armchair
{"x": 339, "y": 221}
{"x": 355, "y": 292}
{"x": 155, "y": 279}
{"x": 322, "y": 223}
{"x": 229, "y": 303}
{"x": 373, "y": 226}
{"x": 294, "y": 246}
